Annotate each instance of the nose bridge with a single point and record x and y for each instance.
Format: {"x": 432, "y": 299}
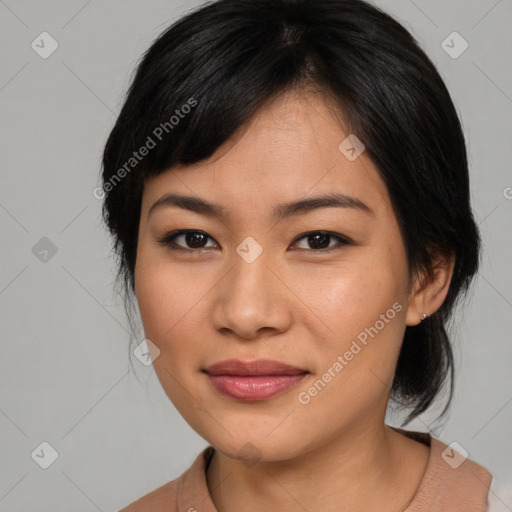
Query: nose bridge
{"x": 250, "y": 272}
{"x": 250, "y": 298}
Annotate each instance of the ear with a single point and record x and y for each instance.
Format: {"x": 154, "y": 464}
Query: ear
{"x": 427, "y": 294}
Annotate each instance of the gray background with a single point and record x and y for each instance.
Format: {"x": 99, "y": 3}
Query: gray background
{"x": 65, "y": 373}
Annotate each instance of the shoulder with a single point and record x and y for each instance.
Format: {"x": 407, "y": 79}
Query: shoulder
{"x": 452, "y": 481}
{"x": 176, "y": 495}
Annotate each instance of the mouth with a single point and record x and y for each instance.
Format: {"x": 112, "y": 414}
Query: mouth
{"x": 253, "y": 380}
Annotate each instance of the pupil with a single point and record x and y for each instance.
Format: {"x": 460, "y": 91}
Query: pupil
{"x": 194, "y": 239}
{"x": 313, "y": 239}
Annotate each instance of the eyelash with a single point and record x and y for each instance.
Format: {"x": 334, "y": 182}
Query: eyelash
{"x": 167, "y": 241}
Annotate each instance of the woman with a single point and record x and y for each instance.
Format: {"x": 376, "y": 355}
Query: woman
{"x": 287, "y": 189}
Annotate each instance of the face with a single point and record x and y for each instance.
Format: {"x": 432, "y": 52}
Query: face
{"x": 323, "y": 289}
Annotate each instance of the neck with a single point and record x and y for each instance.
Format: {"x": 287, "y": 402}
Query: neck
{"x": 371, "y": 469}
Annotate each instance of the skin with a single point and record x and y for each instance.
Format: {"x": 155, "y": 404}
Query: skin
{"x": 292, "y": 304}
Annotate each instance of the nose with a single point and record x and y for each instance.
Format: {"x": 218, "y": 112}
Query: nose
{"x": 251, "y": 300}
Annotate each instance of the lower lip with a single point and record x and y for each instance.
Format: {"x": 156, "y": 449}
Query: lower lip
{"x": 253, "y": 388}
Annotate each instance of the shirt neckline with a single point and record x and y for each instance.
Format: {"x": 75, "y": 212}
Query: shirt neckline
{"x": 193, "y": 489}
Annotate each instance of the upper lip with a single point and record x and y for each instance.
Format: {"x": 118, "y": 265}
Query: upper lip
{"x": 258, "y": 367}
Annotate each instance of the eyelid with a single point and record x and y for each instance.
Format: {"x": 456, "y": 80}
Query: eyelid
{"x": 343, "y": 240}
{"x": 166, "y": 240}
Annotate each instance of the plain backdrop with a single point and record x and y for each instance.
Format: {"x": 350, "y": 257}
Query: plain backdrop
{"x": 65, "y": 374}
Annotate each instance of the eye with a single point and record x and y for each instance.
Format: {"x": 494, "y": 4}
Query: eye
{"x": 194, "y": 239}
{"x": 319, "y": 241}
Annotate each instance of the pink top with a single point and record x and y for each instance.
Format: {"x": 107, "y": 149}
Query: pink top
{"x": 451, "y": 483}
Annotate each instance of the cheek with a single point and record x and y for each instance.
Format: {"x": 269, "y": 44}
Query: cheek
{"x": 349, "y": 297}
{"x": 153, "y": 296}
{"x": 168, "y": 297}
{"x": 356, "y": 361}
{"x": 169, "y": 303}
{"x": 360, "y": 316}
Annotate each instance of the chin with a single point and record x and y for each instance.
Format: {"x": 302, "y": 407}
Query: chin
{"x": 253, "y": 448}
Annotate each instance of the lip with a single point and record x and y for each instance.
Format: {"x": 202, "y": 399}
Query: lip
{"x": 254, "y": 388}
{"x": 258, "y": 367}
{"x": 253, "y": 381}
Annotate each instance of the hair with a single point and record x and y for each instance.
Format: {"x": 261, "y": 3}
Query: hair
{"x": 205, "y": 77}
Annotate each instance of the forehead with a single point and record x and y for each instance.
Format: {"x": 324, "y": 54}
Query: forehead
{"x": 288, "y": 151}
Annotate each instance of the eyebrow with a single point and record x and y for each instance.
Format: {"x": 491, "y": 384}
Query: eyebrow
{"x": 290, "y": 209}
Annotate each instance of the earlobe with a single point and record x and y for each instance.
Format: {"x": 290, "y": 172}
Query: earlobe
{"x": 428, "y": 293}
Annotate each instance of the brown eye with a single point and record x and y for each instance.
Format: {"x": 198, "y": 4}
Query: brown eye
{"x": 194, "y": 240}
{"x": 319, "y": 241}
{"x": 191, "y": 240}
